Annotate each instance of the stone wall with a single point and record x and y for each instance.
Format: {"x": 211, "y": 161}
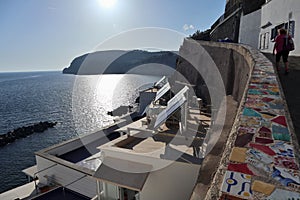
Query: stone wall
{"x": 229, "y": 24}
{"x": 228, "y": 28}
{"x": 232, "y": 62}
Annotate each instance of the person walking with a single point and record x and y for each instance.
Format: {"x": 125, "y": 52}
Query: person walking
{"x": 281, "y": 42}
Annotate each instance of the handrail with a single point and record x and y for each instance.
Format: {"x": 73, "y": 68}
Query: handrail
{"x": 65, "y": 186}
{"x": 75, "y": 181}
{"x": 44, "y": 169}
{"x": 34, "y": 175}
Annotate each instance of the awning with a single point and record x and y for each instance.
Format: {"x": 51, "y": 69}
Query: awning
{"x": 31, "y": 171}
{"x": 266, "y": 25}
{"x": 129, "y": 180}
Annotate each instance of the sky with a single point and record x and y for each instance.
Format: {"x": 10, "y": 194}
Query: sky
{"x": 46, "y": 35}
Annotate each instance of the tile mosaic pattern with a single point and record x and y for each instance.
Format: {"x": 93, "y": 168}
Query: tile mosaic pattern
{"x": 237, "y": 184}
{"x": 263, "y": 187}
{"x": 280, "y": 194}
{"x": 263, "y": 142}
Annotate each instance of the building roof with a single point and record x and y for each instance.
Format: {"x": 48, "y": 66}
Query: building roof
{"x": 30, "y": 171}
{"x": 108, "y": 172}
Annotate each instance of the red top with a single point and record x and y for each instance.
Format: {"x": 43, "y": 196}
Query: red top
{"x": 279, "y": 41}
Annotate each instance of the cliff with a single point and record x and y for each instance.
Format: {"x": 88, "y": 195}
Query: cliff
{"x": 121, "y": 62}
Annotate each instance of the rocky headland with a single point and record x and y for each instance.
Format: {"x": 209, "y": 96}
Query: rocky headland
{"x": 25, "y": 131}
{"x": 122, "y": 62}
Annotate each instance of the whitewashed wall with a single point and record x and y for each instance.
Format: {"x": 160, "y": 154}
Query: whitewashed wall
{"x": 277, "y": 12}
{"x": 250, "y": 29}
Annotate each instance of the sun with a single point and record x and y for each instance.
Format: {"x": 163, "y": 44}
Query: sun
{"x": 107, "y": 3}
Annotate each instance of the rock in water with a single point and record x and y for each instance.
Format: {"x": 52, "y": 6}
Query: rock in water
{"x": 24, "y": 131}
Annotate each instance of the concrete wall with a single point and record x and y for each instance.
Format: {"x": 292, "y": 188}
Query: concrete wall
{"x": 277, "y": 12}
{"x": 232, "y": 61}
{"x": 250, "y": 29}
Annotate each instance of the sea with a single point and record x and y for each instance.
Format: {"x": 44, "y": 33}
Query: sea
{"x": 79, "y": 105}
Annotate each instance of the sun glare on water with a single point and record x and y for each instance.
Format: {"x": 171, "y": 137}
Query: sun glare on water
{"x": 107, "y": 3}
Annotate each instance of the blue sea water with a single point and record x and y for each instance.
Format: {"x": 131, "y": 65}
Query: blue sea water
{"x": 78, "y": 103}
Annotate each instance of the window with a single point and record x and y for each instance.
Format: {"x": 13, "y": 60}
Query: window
{"x": 264, "y": 40}
{"x": 289, "y": 26}
{"x": 275, "y": 30}
{"x": 292, "y": 28}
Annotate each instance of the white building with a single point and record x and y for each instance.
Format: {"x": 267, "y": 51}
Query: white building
{"x": 250, "y": 28}
{"x": 128, "y": 160}
{"x": 276, "y": 14}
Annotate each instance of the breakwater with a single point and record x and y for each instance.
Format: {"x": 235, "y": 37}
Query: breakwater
{"x": 25, "y": 131}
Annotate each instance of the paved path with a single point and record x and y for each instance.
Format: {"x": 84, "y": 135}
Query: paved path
{"x": 291, "y": 86}
{"x": 260, "y": 160}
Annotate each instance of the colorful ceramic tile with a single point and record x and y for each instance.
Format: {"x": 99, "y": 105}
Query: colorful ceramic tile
{"x": 249, "y": 121}
{"x": 280, "y": 194}
{"x": 254, "y": 96}
{"x": 277, "y": 112}
{"x": 280, "y": 120}
{"x": 258, "y": 164}
{"x": 258, "y": 155}
{"x": 262, "y": 187}
{"x": 242, "y": 168}
{"x": 255, "y": 92}
{"x": 238, "y": 154}
{"x": 275, "y": 106}
{"x": 229, "y": 197}
{"x": 274, "y": 89}
{"x": 285, "y": 162}
{"x": 267, "y": 150}
{"x": 282, "y": 137}
{"x": 263, "y": 140}
{"x": 237, "y": 184}
{"x": 294, "y": 186}
{"x": 280, "y": 129}
{"x": 266, "y": 116}
{"x": 266, "y": 99}
{"x": 265, "y": 132}
{"x": 257, "y": 105}
{"x": 251, "y": 100}
{"x": 244, "y": 130}
{"x": 255, "y": 80}
{"x": 258, "y": 110}
{"x": 252, "y": 86}
{"x": 269, "y": 114}
{"x": 265, "y": 135}
{"x": 286, "y": 176}
{"x": 250, "y": 112}
{"x": 243, "y": 139}
{"x": 283, "y": 149}
{"x": 272, "y": 92}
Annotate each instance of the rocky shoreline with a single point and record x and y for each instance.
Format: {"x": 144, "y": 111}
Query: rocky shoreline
{"x": 25, "y": 131}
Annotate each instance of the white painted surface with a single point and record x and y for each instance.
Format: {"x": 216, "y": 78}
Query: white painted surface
{"x": 250, "y": 29}
{"x": 277, "y": 12}
{"x": 176, "y": 181}
{"x": 19, "y": 192}
{"x": 65, "y": 176}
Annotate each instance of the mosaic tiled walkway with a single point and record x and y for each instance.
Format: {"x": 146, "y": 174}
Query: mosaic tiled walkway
{"x": 262, "y": 162}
